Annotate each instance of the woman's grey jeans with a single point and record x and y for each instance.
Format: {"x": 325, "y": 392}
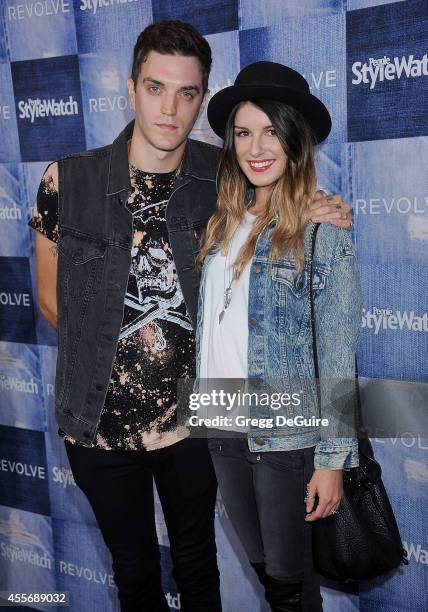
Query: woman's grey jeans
{"x": 264, "y": 497}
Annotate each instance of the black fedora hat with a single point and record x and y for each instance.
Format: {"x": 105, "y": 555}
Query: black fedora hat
{"x": 271, "y": 81}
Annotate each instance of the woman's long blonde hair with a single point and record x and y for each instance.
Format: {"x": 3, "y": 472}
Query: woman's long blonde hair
{"x": 288, "y": 202}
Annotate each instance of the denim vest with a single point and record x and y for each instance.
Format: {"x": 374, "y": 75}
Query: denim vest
{"x": 94, "y": 257}
{"x": 280, "y": 354}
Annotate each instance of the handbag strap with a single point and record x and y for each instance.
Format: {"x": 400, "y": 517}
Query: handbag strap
{"x": 311, "y": 299}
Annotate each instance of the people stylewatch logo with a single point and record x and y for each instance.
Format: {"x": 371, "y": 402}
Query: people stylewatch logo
{"x": 95, "y": 5}
{"x": 378, "y": 319}
{"x": 37, "y": 108}
{"x": 377, "y": 70}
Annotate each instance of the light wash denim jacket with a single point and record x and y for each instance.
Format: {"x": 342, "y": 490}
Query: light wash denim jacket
{"x": 280, "y": 339}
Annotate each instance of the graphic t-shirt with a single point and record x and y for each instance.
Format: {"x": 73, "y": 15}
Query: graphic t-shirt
{"x": 156, "y": 341}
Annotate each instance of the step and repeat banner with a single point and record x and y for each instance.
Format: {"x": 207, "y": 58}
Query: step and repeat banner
{"x": 63, "y": 70}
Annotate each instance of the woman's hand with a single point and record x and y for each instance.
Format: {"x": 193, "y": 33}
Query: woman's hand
{"x": 328, "y": 486}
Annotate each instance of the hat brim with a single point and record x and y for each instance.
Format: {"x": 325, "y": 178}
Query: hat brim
{"x": 221, "y": 104}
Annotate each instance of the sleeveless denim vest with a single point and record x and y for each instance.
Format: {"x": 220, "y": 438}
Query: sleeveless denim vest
{"x": 94, "y": 257}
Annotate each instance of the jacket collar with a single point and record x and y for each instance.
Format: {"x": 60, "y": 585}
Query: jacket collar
{"x": 118, "y": 171}
{"x": 194, "y": 162}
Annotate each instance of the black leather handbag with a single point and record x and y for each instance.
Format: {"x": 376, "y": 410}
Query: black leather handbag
{"x": 361, "y": 541}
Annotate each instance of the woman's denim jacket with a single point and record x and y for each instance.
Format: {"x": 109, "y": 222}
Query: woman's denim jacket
{"x": 280, "y": 343}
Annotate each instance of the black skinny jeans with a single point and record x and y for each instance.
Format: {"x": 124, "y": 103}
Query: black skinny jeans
{"x": 119, "y": 487}
{"x": 264, "y": 497}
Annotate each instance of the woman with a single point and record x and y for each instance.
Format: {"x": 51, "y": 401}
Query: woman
{"x": 254, "y": 324}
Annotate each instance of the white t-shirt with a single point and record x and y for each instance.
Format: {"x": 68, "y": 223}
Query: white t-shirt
{"x": 224, "y": 345}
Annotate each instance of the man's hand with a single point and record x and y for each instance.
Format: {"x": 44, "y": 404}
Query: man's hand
{"x": 328, "y": 486}
{"x": 330, "y": 208}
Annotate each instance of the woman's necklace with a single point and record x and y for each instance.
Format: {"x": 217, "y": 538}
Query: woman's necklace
{"x": 227, "y": 293}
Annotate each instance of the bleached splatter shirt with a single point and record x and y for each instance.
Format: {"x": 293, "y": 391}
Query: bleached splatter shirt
{"x": 156, "y": 342}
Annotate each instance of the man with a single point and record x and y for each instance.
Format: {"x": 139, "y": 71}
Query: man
{"x": 121, "y": 287}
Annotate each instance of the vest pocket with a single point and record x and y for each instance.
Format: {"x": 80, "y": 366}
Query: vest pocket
{"x": 80, "y": 265}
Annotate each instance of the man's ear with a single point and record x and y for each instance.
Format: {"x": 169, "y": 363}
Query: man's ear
{"x": 131, "y": 92}
{"x": 204, "y": 102}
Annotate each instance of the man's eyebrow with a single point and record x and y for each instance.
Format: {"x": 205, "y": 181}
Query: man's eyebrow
{"x": 190, "y": 88}
{"x": 150, "y": 80}
{"x": 184, "y": 88}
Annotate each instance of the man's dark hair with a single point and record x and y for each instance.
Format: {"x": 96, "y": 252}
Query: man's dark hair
{"x": 175, "y": 38}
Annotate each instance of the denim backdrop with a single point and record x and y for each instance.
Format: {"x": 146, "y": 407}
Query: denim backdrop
{"x": 366, "y": 59}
